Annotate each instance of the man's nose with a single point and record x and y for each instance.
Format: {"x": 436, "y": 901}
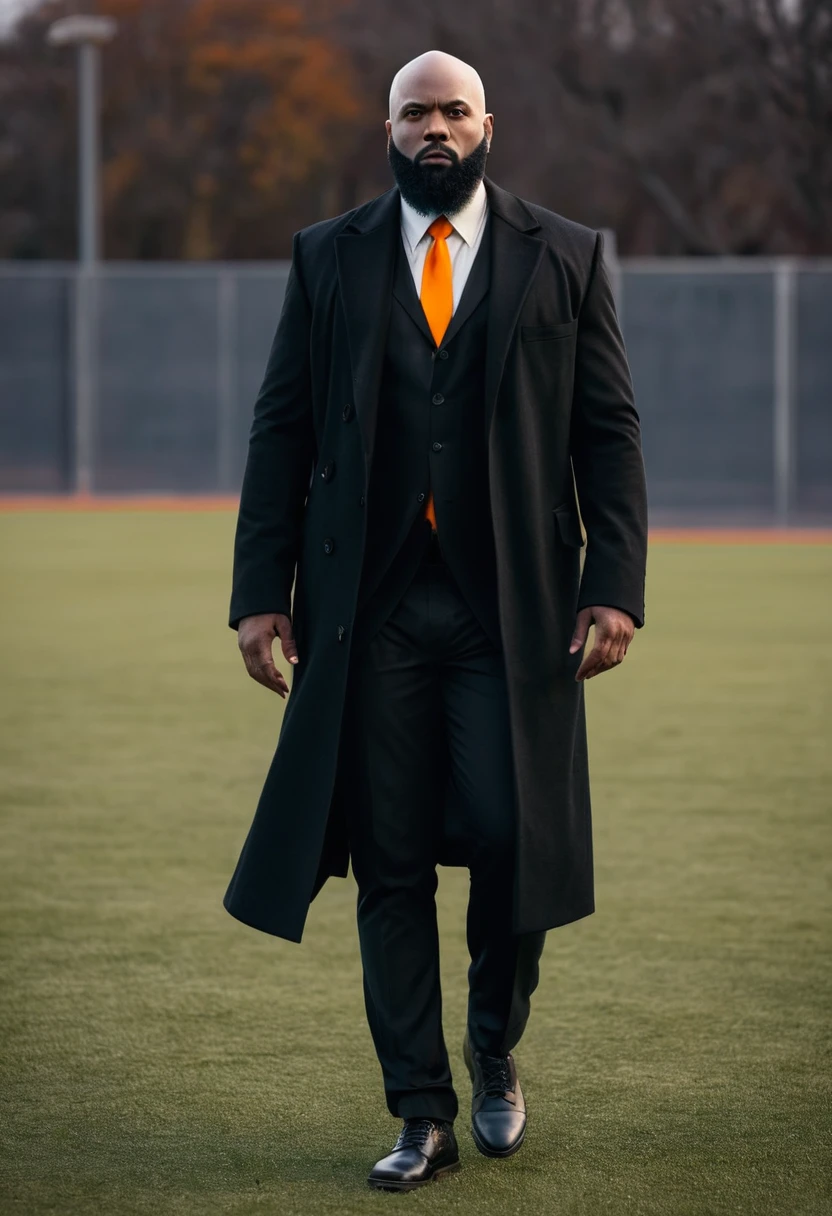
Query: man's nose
{"x": 437, "y": 128}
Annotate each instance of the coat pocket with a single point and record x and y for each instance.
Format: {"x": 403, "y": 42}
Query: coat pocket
{"x": 569, "y": 525}
{"x": 540, "y": 333}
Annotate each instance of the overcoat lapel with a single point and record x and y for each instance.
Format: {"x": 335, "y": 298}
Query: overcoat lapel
{"x": 365, "y": 255}
{"x": 404, "y": 289}
{"x": 515, "y": 257}
{"x": 475, "y": 288}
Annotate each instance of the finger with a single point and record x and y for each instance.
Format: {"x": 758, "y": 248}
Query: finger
{"x": 603, "y": 644}
{"x": 593, "y": 661}
{"x": 617, "y": 651}
{"x": 605, "y": 665}
{"x": 617, "y": 647}
{"x": 268, "y": 675}
{"x": 287, "y": 640}
{"x": 579, "y": 636}
{"x": 624, "y": 646}
{"x": 260, "y": 664}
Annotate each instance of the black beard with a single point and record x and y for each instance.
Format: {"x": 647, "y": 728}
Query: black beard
{"x": 438, "y": 189}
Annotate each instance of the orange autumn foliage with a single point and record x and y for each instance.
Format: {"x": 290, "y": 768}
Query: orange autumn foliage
{"x": 218, "y": 115}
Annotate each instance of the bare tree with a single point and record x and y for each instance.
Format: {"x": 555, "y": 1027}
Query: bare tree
{"x": 688, "y": 128}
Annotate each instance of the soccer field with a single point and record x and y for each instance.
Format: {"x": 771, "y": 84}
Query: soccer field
{"x": 159, "y": 1057}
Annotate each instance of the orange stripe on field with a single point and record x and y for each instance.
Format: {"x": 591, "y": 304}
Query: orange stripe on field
{"x": 217, "y": 502}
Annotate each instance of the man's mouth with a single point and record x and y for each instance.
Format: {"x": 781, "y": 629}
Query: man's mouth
{"x": 435, "y": 155}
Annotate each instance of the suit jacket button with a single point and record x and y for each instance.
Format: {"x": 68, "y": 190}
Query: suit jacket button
{"x": 361, "y": 501}
{"x": 347, "y": 412}
{"x": 328, "y": 471}
{"x": 341, "y": 632}
{"x": 420, "y": 498}
{"x": 329, "y": 545}
{"x": 437, "y": 399}
{"x": 437, "y": 447}
{"x": 443, "y": 354}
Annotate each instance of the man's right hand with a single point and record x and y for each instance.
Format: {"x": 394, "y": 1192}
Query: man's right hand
{"x": 255, "y": 635}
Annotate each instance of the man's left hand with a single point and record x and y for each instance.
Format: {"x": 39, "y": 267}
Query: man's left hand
{"x": 613, "y": 633}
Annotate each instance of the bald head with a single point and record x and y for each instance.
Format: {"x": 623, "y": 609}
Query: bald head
{"x": 438, "y": 122}
{"x": 440, "y": 76}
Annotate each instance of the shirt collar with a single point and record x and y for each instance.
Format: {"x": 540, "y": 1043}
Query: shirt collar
{"x": 466, "y": 222}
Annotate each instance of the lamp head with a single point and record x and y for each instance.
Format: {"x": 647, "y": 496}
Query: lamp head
{"x": 71, "y": 31}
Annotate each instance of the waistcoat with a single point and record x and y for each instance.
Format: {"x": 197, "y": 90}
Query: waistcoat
{"x": 430, "y": 434}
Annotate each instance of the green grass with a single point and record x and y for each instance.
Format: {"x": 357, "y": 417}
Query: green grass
{"x": 159, "y": 1057}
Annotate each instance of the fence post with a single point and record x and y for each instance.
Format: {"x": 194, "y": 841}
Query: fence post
{"x": 613, "y": 266}
{"x": 784, "y": 390}
{"x": 85, "y": 377}
{"x": 226, "y": 378}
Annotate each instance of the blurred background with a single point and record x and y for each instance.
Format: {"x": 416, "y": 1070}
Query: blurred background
{"x": 698, "y": 136}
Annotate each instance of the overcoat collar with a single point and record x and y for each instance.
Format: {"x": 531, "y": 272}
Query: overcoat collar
{"x": 365, "y": 254}
{"x": 404, "y": 290}
{"x": 515, "y": 257}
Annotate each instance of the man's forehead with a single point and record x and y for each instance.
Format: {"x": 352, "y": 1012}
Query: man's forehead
{"x": 435, "y": 83}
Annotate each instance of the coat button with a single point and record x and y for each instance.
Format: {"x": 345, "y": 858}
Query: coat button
{"x": 328, "y": 471}
{"x": 329, "y": 545}
{"x": 437, "y": 399}
{"x": 443, "y": 354}
{"x": 347, "y": 412}
{"x": 341, "y": 631}
{"x": 420, "y": 498}
{"x": 437, "y": 447}
{"x": 361, "y": 501}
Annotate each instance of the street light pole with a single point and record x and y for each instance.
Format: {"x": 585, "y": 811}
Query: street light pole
{"x": 89, "y": 232}
{"x": 88, "y": 34}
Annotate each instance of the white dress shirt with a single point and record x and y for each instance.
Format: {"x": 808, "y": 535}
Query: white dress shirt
{"x": 463, "y": 242}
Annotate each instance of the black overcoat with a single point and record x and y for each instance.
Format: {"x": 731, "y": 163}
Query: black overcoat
{"x": 558, "y": 403}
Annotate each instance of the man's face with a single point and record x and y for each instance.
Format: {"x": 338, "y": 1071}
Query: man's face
{"x": 435, "y": 110}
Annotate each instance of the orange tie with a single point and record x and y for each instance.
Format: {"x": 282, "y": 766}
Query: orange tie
{"x": 437, "y": 296}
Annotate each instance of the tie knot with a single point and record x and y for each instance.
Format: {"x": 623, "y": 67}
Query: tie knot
{"x": 441, "y": 228}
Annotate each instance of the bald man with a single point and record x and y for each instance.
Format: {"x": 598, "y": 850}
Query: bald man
{"x": 448, "y": 369}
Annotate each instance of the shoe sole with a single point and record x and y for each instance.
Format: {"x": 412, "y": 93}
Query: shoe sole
{"x": 487, "y": 1151}
{"x": 413, "y": 1186}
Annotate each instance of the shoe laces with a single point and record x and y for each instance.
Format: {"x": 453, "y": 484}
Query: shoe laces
{"x": 496, "y": 1075}
{"x": 415, "y": 1132}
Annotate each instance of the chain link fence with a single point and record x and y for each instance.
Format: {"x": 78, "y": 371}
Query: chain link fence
{"x": 140, "y": 379}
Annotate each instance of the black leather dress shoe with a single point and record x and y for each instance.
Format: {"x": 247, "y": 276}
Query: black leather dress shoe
{"x": 425, "y": 1150}
{"x": 498, "y": 1111}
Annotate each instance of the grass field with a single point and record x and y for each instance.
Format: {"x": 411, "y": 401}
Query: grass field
{"x": 158, "y": 1057}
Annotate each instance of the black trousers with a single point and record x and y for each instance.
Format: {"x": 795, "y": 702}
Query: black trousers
{"x": 427, "y": 705}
